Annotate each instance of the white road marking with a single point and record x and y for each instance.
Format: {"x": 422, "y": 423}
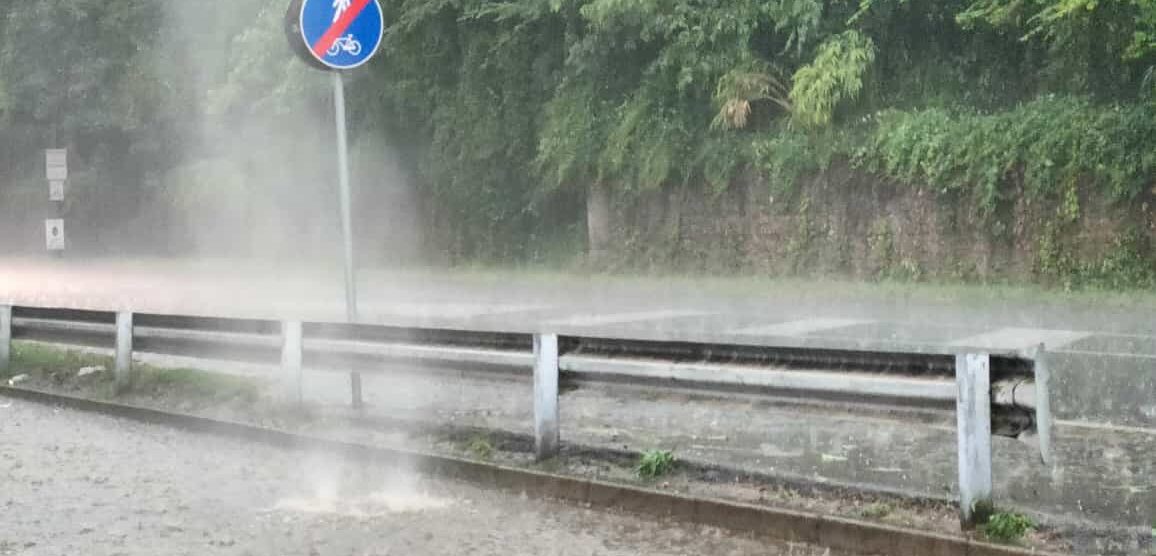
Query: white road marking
{"x": 621, "y": 318}
{"x": 1107, "y": 353}
{"x": 1020, "y": 338}
{"x": 1150, "y": 431}
{"x": 453, "y": 310}
{"x": 799, "y": 327}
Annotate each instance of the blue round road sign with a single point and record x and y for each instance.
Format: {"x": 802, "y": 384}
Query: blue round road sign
{"x": 342, "y": 34}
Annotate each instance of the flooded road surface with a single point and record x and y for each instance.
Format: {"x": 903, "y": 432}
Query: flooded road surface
{"x": 78, "y": 483}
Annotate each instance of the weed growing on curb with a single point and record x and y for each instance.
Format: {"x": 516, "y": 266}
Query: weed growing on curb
{"x": 877, "y": 510}
{"x": 1007, "y": 527}
{"x": 655, "y": 463}
{"x": 481, "y": 448}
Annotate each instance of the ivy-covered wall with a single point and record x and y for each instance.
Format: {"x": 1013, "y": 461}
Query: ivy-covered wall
{"x": 845, "y": 222}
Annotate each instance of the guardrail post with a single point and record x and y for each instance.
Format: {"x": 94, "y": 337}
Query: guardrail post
{"x": 973, "y": 433}
{"x": 1043, "y": 399}
{"x": 357, "y": 400}
{"x": 123, "y": 349}
{"x": 292, "y": 352}
{"x": 546, "y": 434}
{"x": 5, "y": 336}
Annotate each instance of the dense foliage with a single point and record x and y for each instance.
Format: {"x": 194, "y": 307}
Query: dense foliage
{"x": 509, "y": 109}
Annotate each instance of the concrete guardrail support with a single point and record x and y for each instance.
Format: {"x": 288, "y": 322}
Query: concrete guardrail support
{"x": 546, "y": 428}
{"x": 973, "y": 433}
{"x": 123, "y": 369}
{"x": 356, "y": 398}
{"x": 5, "y": 337}
{"x": 1043, "y": 403}
{"x": 292, "y": 354}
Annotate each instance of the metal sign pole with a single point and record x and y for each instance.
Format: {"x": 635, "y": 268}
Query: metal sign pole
{"x": 346, "y": 222}
{"x": 346, "y": 219}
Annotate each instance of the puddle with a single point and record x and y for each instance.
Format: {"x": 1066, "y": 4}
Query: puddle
{"x": 373, "y": 505}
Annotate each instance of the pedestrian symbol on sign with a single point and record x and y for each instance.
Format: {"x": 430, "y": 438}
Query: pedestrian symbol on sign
{"x": 339, "y": 7}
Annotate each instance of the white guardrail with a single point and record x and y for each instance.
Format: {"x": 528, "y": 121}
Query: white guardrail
{"x": 996, "y": 393}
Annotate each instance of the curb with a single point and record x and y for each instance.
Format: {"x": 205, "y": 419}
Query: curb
{"x": 788, "y": 525}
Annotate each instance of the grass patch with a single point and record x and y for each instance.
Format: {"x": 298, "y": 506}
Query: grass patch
{"x": 994, "y": 293}
{"x": 877, "y": 510}
{"x": 193, "y": 383}
{"x": 481, "y": 447}
{"x": 1007, "y": 527}
{"x": 655, "y": 463}
{"x": 38, "y": 360}
{"x": 553, "y": 464}
{"x": 57, "y": 368}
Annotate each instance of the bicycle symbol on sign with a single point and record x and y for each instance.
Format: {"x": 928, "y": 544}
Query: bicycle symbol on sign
{"x": 346, "y": 44}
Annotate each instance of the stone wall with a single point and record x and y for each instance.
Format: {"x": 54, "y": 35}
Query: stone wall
{"x": 847, "y": 223}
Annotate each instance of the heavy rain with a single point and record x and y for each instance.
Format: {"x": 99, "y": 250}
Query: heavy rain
{"x": 367, "y": 277}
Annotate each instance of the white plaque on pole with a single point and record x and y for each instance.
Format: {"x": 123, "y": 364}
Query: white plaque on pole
{"x": 54, "y": 234}
{"x": 56, "y": 164}
{"x": 56, "y": 190}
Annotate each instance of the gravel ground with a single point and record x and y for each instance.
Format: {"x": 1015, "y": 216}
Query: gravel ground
{"x": 76, "y": 483}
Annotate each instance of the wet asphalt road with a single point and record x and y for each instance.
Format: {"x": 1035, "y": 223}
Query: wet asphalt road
{"x": 77, "y": 483}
